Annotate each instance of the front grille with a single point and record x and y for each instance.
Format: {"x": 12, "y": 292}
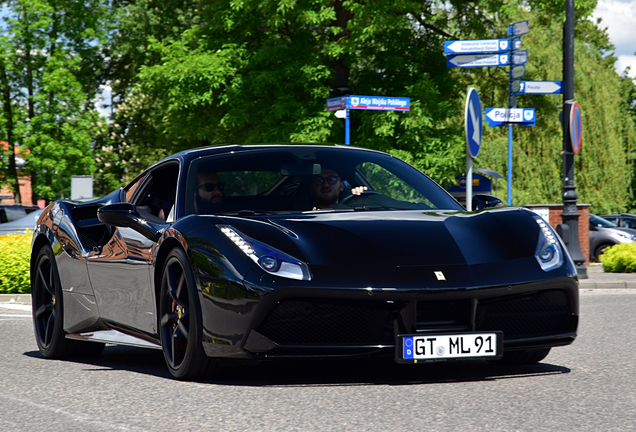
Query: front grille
{"x": 539, "y": 314}
{"x": 298, "y": 322}
{"x": 443, "y": 315}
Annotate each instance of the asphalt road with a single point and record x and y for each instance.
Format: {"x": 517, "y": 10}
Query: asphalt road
{"x": 590, "y": 385}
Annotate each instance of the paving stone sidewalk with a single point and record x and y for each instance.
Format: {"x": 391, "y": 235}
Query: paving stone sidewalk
{"x": 597, "y": 278}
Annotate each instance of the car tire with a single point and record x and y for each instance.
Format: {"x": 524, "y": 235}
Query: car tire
{"x": 600, "y": 251}
{"x": 48, "y": 313}
{"x": 180, "y": 320}
{"x": 523, "y": 357}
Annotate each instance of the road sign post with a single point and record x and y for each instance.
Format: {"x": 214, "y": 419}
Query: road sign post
{"x": 493, "y": 53}
{"x": 473, "y": 128}
{"x": 569, "y": 228}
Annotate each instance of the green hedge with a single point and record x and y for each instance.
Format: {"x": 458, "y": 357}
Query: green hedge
{"x": 15, "y": 250}
{"x": 620, "y": 258}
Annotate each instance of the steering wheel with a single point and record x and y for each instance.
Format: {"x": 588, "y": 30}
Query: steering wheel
{"x": 365, "y": 194}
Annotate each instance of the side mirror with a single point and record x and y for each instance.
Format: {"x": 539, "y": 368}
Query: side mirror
{"x": 126, "y": 215}
{"x": 481, "y": 202}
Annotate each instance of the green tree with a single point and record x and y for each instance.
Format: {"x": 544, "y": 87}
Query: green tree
{"x": 260, "y": 71}
{"x": 54, "y": 60}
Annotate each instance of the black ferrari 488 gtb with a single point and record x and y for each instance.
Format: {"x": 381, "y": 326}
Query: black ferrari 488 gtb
{"x": 294, "y": 251}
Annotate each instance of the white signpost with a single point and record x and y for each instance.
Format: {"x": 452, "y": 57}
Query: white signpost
{"x": 541, "y": 87}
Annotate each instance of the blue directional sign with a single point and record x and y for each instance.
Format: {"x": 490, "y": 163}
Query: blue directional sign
{"x": 342, "y": 105}
{"x": 515, "y": 86}
{"x": 478, "y": 46}
{"x": 383, "y": 103}
{"x": 517, "y": 116}
{"x": 335, "y": 104}
{"x": 473, "y": 123}
{"x": 520, "y": 57}
{"x": 369, "y": 103}
{"x": 477, "y": 60}
{"x": 518, "y": 28}
{"x": 517, "y": 71}
{"x": 541, "y": 87}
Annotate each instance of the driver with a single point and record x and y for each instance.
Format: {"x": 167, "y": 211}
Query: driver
{"x": 208, "y": 193}
{"x": 326, "y": 188}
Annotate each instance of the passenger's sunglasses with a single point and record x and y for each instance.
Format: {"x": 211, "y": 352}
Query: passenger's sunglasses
{"x": 331, "y": 180}
{"x": 209, "y": 187}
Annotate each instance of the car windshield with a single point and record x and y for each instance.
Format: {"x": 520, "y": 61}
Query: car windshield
{"x": 600, "y": 222}
{"x": 280, "y": 180}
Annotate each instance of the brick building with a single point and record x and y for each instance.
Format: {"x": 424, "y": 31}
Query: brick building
{"x": 6, "y": 196}
{"x": 552, "y": 214}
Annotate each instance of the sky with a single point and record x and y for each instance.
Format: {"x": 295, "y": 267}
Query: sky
{"x": 619, "y": 17}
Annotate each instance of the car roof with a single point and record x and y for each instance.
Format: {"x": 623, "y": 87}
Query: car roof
{"x": 629, "y": 215}
{"x": 187, "y": 156}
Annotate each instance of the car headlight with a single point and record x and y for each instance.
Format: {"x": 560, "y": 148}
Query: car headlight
{"x": 626, "y": 237}
{"x": 268, "y": 258}
{"x": 549, "y": 253}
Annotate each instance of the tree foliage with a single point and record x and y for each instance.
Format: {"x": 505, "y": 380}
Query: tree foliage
{"x": 260, "y": 71}
{"x": 249, "y": 71}
{"x": 53, "y": 56}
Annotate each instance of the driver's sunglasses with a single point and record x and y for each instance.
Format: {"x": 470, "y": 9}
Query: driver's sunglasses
{"x": 209, "y": 187}
{"x": 331, "y": 180}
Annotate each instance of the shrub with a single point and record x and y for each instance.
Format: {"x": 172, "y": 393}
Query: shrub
{"x": 620, "y": 258}
{"x": 15, "y": 250}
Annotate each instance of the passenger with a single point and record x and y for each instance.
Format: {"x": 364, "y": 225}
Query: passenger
{"x": 326, "y": 187}
{"x": 209, "y": 193}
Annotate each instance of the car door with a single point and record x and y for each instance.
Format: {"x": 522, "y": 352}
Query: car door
{"x": 120, "y": 270}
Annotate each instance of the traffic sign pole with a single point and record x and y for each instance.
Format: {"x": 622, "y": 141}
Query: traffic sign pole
{"x": 347, "y": 129}
{"x": 469, "y": 182}
{"x": 493, "y": 53}
{"x": 473, "y": 128}
{"x": 569, "y": 228}
{"x": 509, "y": 165}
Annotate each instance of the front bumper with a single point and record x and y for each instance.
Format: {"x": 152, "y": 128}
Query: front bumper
{"x": 292, "y": 322}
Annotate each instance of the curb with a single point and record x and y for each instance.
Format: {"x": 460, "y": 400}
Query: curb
{"x": 587, "y": 284}
{"x": 15, "y": 298}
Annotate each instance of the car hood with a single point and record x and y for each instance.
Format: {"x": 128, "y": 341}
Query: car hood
{"x": 398, "y": 238}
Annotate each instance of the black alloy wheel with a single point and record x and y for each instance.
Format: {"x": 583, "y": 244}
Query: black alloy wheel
{"x": 180, "y": 320}
{"x": 48, "y": 313}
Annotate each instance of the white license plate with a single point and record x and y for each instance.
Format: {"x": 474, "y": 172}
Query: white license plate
{"x": 431, "y": 347}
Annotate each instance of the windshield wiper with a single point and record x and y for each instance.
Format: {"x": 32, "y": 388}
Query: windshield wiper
{"x": 252, "y": 212}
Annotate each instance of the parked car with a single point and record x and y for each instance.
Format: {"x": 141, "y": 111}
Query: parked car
{"x": 21, "y": 225}
{"x": 605, "y": 234}
{"x": 231, "y": 252}
{"x": 625, "y": 220}
{"x": 11, "y": 212}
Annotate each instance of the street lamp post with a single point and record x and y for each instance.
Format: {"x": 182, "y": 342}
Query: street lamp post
{"x": 569, "y": 229}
